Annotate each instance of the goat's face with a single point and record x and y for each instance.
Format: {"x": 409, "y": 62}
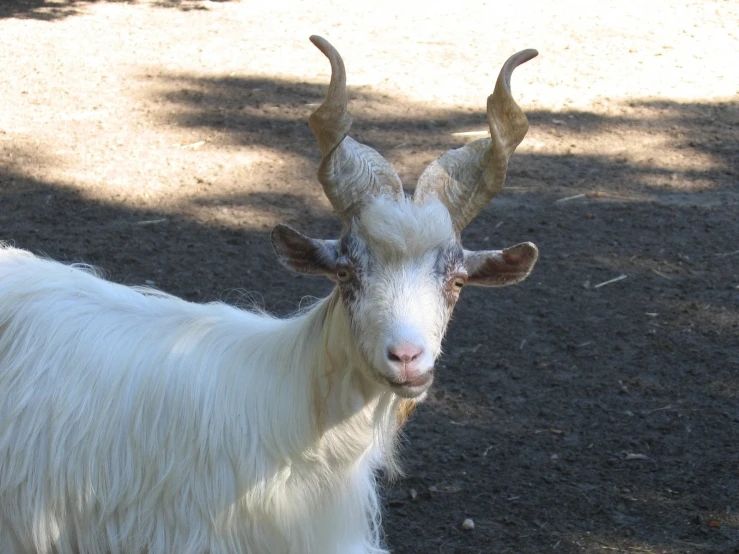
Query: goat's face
{"x": 399, "y": 265}
{"x": 399, "y": 270}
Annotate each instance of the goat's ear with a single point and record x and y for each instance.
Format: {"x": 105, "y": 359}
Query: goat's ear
{"x": 303, "y": 254}
{"x": 498, "y": 268}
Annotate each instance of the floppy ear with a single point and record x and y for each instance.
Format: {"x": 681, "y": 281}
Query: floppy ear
{"x": 498, "y": 268}
{"x": 303, "y": 254}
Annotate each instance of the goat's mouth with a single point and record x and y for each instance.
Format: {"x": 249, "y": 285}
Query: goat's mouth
{"x": 412, "y": 388}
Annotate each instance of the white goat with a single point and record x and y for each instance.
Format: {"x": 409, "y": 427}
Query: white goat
{"x": 134, "y": 422}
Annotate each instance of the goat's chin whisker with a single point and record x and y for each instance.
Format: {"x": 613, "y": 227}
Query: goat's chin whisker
{"x": 133, "y": 421}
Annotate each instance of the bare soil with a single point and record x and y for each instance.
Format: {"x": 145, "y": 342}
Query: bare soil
{"x": 593, "y": 408}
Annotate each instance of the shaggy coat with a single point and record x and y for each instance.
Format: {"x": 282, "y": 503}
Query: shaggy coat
{"x": 132, "y": 421}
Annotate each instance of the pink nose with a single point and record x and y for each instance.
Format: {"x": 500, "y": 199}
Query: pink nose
{"x": 404, "y": 352}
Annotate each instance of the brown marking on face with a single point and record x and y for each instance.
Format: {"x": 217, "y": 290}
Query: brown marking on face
{"x": 353, "y": 257}
{"x": 450, "y": 265}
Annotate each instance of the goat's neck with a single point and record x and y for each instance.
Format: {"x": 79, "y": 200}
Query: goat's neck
{"x": 320, "y": 402}
{"x": 353, "y": 414}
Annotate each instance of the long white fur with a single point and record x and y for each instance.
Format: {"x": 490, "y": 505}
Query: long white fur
{"x": 133, "y": 421}
{"x": 401, "y": 229}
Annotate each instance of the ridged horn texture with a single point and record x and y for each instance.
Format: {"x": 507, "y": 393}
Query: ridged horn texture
{"x": 467, "y": 178}
{"x": 351, "y": 173}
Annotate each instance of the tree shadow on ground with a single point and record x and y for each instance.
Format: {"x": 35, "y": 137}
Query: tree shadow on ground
{"x": 54, "y": 10}
{"x": 137, "y": 246}
{"x": 254, "y": 112}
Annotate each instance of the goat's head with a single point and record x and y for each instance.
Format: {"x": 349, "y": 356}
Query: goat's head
{"x": 399, "y": 264}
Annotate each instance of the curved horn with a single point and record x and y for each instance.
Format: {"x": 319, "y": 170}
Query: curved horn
{"x": 351, "y": 173}
{"x": 467, "y": 178}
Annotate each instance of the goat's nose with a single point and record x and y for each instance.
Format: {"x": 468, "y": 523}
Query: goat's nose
{"x": 404, "y": 352}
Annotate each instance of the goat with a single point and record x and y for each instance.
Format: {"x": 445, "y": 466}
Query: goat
{"x": 134, "y": 422}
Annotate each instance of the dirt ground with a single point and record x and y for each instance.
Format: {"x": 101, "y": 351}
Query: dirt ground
{"x": 593, "y": 408}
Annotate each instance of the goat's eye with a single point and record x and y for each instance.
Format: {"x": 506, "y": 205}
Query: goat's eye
{"x": 343, "y": 275}
{"x": 457, "y": 284}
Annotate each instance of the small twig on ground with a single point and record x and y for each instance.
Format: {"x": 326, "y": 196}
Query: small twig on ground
{"x": 194, "y": 145}
{"x": 697, "y": 545}
{"x": 723, "y": 254}
{"x": 614, "y": 280}
{"x": 634, "y": 456}
{"x": 592, "y": 195}
{"x": 565, "y": 199}
{"x": 660, "y": 409}
{"x": 661, "y": 274}
{"x": 600, "y": 194}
